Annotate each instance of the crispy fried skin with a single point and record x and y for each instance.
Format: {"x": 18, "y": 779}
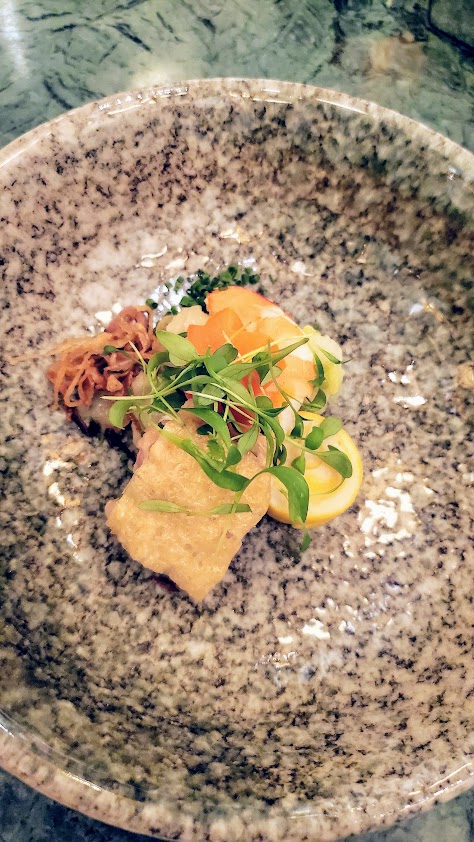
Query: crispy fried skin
{"x": 194, "y": 551}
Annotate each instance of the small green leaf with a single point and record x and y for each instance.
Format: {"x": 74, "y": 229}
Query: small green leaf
{"x": 336, "y": 459}
{"x": 277, "y": 429}
{"x": 173, "y": 508}
{"x": 274, "y": 411}
{"x": 223, "y": 479}
{"x": 267, "y": 432}
{"x": 119, "y": 410}
{"x": 214, "y": 420}
{"x": 236, "y": 371}
{"x": 273, "y": 373}
{"x": 330, "y": 426}
{"x": 320, "y": 369}
{"x": 111, "y": 349}
{"x": 247, "y": 440}
{"x": 280, "y": 455}
{"x": 260, "y": 362}
{"x": 298, "y": 491}
{"x": 175, "y": 400}
{"x": 314, "y": 439}
{"x": 155, "y": 361}
{"x": 216, "y": 451}
{"x": 299, "y": 463}
{"x": 330, "y": 356}
{"x": 220, "y": 359}
{"x": 161, "y": 506}
{"x": 180, "y": 349}
{"x": 317, "y": 403}
{"x": 263, "y": 403}
{"x": 305, "y": 543}
{"x": 210, "y": 394}
{"x": 233, "y": 456}
{"x": 280, "y": 355}
{"x": 298, "y": 429}
{"x": 237, "y": 391}
{"x": 230, "y": 509}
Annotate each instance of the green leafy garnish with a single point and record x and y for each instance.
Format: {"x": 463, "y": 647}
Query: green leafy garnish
{"x": 155, "y": 361}
{"x": 167, "y": 507}
{"x": 316, "y": 404}
{"x": 297, "y": 430}
{"x": 181, "y": 350}
{"x": 314, "y": 439}
{"x": 119, "y": 410}
{"x": 223, "y": 478}
{"x": 248, "y": 440}
{"x": 214, "y": 421}
{"x": 330, "y": 356}
{"x": 111, "y": 349}
{"x": 330, "y": 426}
{"x": 203, "y": 284}
{"x": 319, "y": 379}
{"x": 161, "y": 506}
{"x": 299, "y": 463}
{"x": 337, "y": 460}
{"x": 305, "y": 543}
{"x": 218, "y": 389}
{"x": 298, "y": 491}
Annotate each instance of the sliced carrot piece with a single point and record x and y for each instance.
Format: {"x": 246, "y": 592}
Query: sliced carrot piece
{"x": 247, "y": 341}
{"x": 245, "y": 302}
{"x": 219, "y": 329}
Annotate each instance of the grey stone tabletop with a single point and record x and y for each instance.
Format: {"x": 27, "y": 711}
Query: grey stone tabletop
{"x": 58, "y": 54}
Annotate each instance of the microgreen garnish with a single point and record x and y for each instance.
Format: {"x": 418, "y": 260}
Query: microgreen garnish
{"x": 181, "y": 350}
{"x": 219, "y": 390}
{"x": 203, "y": 284}
{"x": 314, "y": 439}
{"x": 305, "y": 543}
{"x": 317, "y": 403}
{"x": 331, "y": 357}
{"x": 166, "y": 506}
{"x": 330, "y": 426}
{"x": 337, "y": 460}
{"x": 112, "y": 349}
{"x": 151, "y": 304}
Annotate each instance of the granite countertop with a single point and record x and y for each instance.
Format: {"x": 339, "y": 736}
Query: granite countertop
{"x": 58, "y": 54}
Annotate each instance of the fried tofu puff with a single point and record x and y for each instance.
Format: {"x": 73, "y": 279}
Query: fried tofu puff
{"x": 195, "y": 551}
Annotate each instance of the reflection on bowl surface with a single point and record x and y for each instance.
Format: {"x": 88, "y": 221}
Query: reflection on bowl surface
{"x": 310, "y": 695}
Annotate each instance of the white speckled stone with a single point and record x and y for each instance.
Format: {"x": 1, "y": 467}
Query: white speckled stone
{"x": 309, "y": 696}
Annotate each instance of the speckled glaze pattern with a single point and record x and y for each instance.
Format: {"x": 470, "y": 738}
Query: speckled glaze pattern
{"x": 310, "y": 696}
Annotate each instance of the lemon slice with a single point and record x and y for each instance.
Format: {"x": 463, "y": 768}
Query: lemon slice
{"x": 329, "y": 494}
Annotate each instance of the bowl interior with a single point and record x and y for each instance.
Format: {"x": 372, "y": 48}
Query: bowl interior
{"x": 306, "y": 684}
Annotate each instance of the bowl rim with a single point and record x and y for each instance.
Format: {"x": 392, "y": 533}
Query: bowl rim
{"x": 26, "y": 755}
{"x": 246, "y": 88}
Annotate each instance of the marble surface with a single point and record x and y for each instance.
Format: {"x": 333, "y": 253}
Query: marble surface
{"x": 49, "y": 62}
{"x": 58, "y": 54}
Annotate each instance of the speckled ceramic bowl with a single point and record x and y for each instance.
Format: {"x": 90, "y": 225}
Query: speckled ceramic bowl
{"x": 309, "y": 696}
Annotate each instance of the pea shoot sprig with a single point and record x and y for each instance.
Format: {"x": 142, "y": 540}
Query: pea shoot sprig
{"x": 232, "y": 418}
